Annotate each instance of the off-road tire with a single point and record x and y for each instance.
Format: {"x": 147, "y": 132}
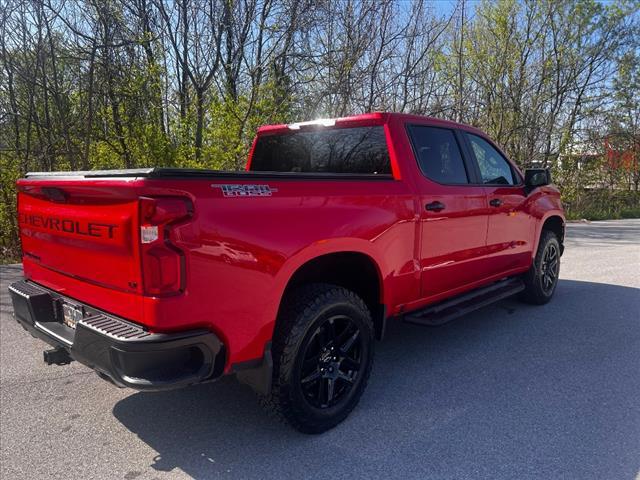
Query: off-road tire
{"x": 535, "y": 291}
{"x": 304, "y": 311}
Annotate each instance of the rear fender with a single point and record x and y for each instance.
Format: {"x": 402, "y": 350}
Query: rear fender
{"x": 258, "y": 373}
{"x": 331, "y": 246}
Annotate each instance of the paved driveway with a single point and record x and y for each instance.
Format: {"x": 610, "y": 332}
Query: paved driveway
{"x": 511, "y": 391}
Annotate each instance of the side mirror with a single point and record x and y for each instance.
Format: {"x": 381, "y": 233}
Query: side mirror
{"x": 536, "y": 177}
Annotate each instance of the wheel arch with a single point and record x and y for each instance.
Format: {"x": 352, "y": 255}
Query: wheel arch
{"x": 353, "y": 270}
{"x": 555, "y": 222}
{"x": 337, "y": 262}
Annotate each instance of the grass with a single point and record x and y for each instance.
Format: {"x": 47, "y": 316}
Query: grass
{"x": 9, "y": 260}
{"x": 595, "y": 214}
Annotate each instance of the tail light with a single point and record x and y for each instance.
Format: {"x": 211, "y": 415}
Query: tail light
{"x": 163, "y": 263}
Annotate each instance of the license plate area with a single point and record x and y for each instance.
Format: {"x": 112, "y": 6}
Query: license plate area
{"x": 72, "y": 313}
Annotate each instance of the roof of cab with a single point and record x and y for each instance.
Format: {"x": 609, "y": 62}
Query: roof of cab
{"x": 373, "y": 118}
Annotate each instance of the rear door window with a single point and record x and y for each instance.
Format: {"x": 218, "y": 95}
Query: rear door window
{"x": 438, "y": 154}
{"x": 359, "y": 150}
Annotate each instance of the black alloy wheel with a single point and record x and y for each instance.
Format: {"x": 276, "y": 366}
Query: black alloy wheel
{"x": 550, "y": 267}
{"x": 541, "y": 279}
{"x": 322, "y": 357}
{"x": 331, "y": 362}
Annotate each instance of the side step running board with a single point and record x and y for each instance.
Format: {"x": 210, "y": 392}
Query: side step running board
{"x": 455, "y": 307}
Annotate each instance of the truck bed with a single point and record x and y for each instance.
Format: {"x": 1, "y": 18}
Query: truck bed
{"x": 165, "y": 173}
{"x": 229, "y": 251}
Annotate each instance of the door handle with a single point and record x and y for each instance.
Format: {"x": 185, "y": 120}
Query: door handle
{"x": 496, "y": 202}
{"x": 434, "y": 206}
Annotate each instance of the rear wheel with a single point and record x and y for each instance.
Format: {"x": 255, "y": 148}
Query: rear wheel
{"x": 323, "y": 353}
{"x": 542, "y": 278}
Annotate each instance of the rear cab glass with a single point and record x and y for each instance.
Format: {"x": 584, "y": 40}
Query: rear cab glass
{"x": 354, "y": 150}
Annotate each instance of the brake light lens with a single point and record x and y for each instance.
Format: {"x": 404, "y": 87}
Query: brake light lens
{"x": 163, "y": 263}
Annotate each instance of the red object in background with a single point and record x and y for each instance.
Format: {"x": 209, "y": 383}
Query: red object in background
{"x": 178, "y": 251}
{"x": 622, "y": 159}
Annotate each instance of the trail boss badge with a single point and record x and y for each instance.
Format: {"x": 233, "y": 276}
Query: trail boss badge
{"x": 244, "y": 190}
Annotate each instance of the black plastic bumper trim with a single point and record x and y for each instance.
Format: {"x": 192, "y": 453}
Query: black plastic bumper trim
{"x": 126, "y": 352}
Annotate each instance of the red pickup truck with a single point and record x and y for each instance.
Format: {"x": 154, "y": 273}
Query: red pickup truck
{"x": 284, "y": 274}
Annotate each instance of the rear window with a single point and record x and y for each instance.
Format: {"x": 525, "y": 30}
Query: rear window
{"x": 361, "y": 150}
{"x": 438, "y": 154}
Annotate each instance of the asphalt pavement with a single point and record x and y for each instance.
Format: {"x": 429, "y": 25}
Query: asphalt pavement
{"x": 509, "y": 392}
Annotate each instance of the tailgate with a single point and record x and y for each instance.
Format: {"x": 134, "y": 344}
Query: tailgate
{"x": 83, "y": 231}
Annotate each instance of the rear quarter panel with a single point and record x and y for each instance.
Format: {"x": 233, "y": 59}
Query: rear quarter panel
{"x": 242, "y": 251}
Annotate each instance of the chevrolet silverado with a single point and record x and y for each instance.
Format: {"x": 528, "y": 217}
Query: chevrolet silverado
{"x": 284, "y": 274}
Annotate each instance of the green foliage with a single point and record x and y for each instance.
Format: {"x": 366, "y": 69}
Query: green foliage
{"x": 234, "y": 123}
{"x": 9, "y": 173}
{"x": 604, "y": 204}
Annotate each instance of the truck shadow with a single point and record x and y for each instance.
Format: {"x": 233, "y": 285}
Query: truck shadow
{"x": 509, "y": 391}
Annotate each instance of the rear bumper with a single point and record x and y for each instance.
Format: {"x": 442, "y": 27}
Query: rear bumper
{"x": 128, "y": 354}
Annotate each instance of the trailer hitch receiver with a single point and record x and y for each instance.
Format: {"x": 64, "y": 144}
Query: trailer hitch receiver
{"x": 57, "y": 356}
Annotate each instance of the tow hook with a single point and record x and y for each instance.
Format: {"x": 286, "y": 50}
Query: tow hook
{"x": 57, "y": 356}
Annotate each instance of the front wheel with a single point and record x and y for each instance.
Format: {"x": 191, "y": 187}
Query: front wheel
{"x": 542, "y": 278}
{"x": 323, "y": 353}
